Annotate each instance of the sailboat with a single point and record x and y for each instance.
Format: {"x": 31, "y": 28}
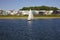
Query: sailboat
{"x": 30, "y": 15}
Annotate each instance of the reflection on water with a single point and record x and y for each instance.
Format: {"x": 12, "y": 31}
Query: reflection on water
{"x": 29, "y": 27}
{"x": 29, "y": 23}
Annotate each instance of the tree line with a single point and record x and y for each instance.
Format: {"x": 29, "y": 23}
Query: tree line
{"x": 39, "y": 8}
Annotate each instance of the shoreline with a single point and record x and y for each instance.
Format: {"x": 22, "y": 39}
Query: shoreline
{"x": 26, "y": 17}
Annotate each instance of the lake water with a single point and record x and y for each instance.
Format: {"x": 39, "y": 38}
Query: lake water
{"x": 37, "y": 29}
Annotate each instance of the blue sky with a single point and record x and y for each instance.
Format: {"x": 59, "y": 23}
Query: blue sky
{"x": 18, "y": 4}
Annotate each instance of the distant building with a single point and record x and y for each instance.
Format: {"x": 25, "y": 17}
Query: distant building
{"x": 56, "y": 12}
{"x": 42, "y": 12}
{"x": 49, "y": 12}
{"x": 1, "y": 12}
{"x": 8, "y": 11}
{"x": 18, "y": 13}
{"x": 13, "y": 12}
{"x": 26, "y": 12}
{"x": 4, "y": 13}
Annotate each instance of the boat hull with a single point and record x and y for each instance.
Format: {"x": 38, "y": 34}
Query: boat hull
{"x": 29, "y": 19}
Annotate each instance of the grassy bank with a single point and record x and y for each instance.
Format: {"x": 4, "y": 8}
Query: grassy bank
{"x": 26, "y": 16}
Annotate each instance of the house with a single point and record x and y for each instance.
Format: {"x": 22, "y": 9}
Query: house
{"x": 24, "y": 12}
{"x": 4, "y": 13}
{"x": 1, "y": 12}
{"x": 13, "y": 12}
{"x": 56, "y": 12}
{"x": 8, "y": 11}
{"x": 35, "y": 12}
{"x": 49, "y": 12}
{"x": 41, "y": 12}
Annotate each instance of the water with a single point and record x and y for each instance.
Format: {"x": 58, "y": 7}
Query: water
{"x": 21, "y": 29}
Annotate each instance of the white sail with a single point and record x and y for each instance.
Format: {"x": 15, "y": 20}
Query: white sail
{"x": 30, "y": 15}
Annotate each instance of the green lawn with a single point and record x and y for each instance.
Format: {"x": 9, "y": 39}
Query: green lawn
{"x": 26, "y": 16}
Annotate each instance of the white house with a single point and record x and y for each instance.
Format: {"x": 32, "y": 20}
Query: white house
{"x": 13, "y": 12}
{"x": 49, "y": 12}
{"x": 25, "y": 12}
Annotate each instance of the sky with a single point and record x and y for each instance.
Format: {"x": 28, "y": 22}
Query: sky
{"x": 19, "y": 4}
